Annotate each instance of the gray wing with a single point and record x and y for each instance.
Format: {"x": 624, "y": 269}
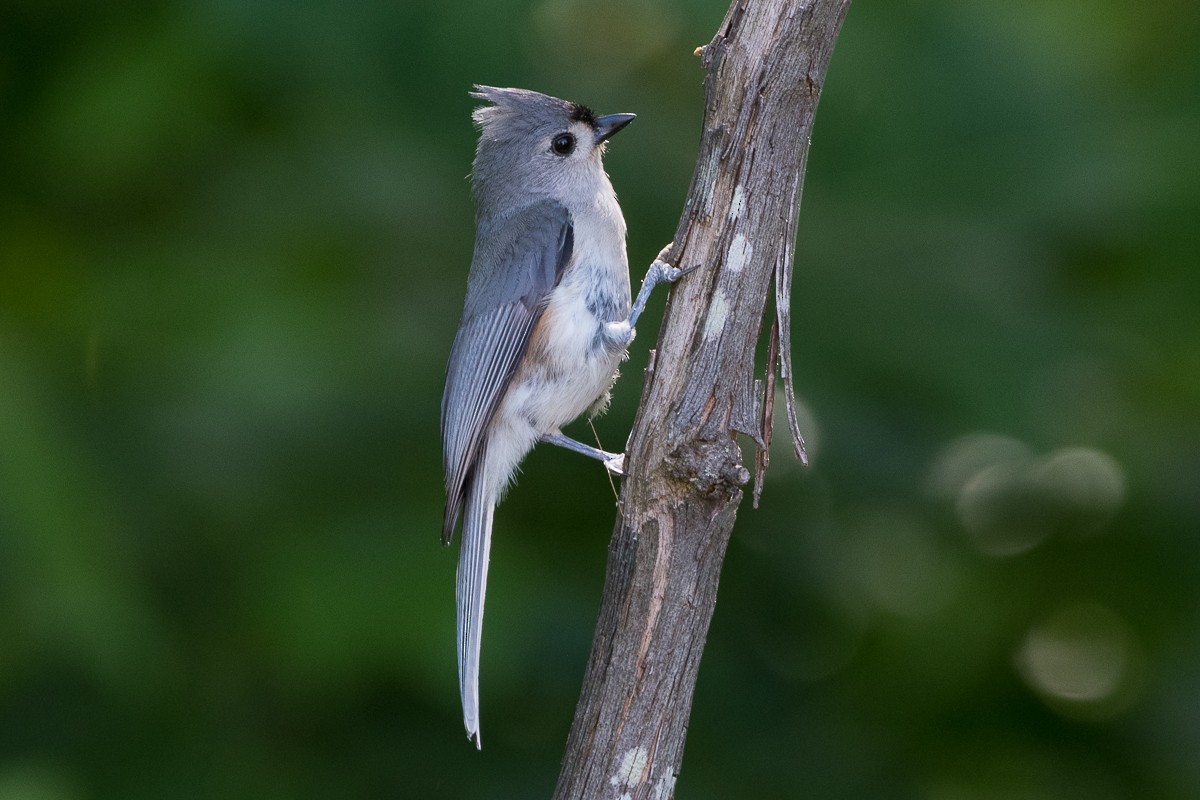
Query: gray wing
{"x": 517, "y": 261}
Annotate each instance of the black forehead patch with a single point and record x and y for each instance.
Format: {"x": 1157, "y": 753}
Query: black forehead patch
{"x": 581, "y": 113}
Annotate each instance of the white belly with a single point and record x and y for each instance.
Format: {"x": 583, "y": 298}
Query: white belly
{"x": 569, "y": 365}
{"x": 570, "y": 375}
{"x": 572, "y": 372}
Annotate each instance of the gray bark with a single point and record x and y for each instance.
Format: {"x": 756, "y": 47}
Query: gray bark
{"x": 685, "y": 477}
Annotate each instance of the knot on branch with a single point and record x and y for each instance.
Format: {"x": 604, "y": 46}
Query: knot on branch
{"x": 712, "y": 466}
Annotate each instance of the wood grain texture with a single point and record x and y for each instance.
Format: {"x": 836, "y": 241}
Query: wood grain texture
{"x": 765, "y": 68}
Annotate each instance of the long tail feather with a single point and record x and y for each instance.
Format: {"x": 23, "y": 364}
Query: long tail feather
{"x": 472, "y": 586}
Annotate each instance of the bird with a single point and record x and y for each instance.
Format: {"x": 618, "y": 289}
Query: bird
{"x": 546, "y": 321}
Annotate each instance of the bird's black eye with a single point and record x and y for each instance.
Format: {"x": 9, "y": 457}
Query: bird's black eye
{"x": 563, "y": 144}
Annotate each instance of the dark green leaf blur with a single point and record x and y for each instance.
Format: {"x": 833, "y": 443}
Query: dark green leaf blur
{"x": 234, "y": 238}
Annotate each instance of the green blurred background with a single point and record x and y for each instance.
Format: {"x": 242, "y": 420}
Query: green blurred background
{"x": 233, "y": 248}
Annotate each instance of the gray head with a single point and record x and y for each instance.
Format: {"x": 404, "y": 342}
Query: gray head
{"x": 533, "y": 146}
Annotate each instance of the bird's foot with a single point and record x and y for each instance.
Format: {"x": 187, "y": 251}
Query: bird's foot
{"x": 660, "y": 272}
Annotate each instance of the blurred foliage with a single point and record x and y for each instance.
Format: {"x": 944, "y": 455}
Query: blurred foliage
{"x": 233, "y": 248}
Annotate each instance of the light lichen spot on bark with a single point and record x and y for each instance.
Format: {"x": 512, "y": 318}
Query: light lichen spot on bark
{"x": 740, "y": 252}
{"x": 632, "y": 765}
{"x": 738, "y": 205}
{"x": 718, "y": 310}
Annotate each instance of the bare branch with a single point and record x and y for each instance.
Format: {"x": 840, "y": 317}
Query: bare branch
{"x": 765, "y": 69}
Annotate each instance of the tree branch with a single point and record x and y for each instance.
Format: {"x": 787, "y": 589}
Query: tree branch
{"x": 765, "y": 69}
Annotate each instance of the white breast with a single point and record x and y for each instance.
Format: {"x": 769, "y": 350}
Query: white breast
{"x": 575, "y": 369}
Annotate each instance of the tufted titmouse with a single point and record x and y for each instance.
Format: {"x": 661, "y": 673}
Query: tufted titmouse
{"x": 546, "y": 322}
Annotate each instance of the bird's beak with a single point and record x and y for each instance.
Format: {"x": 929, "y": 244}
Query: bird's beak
{"x": 608, "y": 125}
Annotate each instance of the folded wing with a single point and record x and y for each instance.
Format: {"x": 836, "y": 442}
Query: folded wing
{"x": 518, "y": 260}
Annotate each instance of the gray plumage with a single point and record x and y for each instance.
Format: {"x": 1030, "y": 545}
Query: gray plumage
{"x": 519, "y": 261}
{"x": 545, "y": 324}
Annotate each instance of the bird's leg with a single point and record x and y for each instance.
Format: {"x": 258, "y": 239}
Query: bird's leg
{"x": 620, "y": 334}
{"x": 660, "y": 272}
{"x": 613, "y": 462}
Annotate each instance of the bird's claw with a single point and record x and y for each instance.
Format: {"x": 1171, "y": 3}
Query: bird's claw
{"x": 670, "y": 274}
